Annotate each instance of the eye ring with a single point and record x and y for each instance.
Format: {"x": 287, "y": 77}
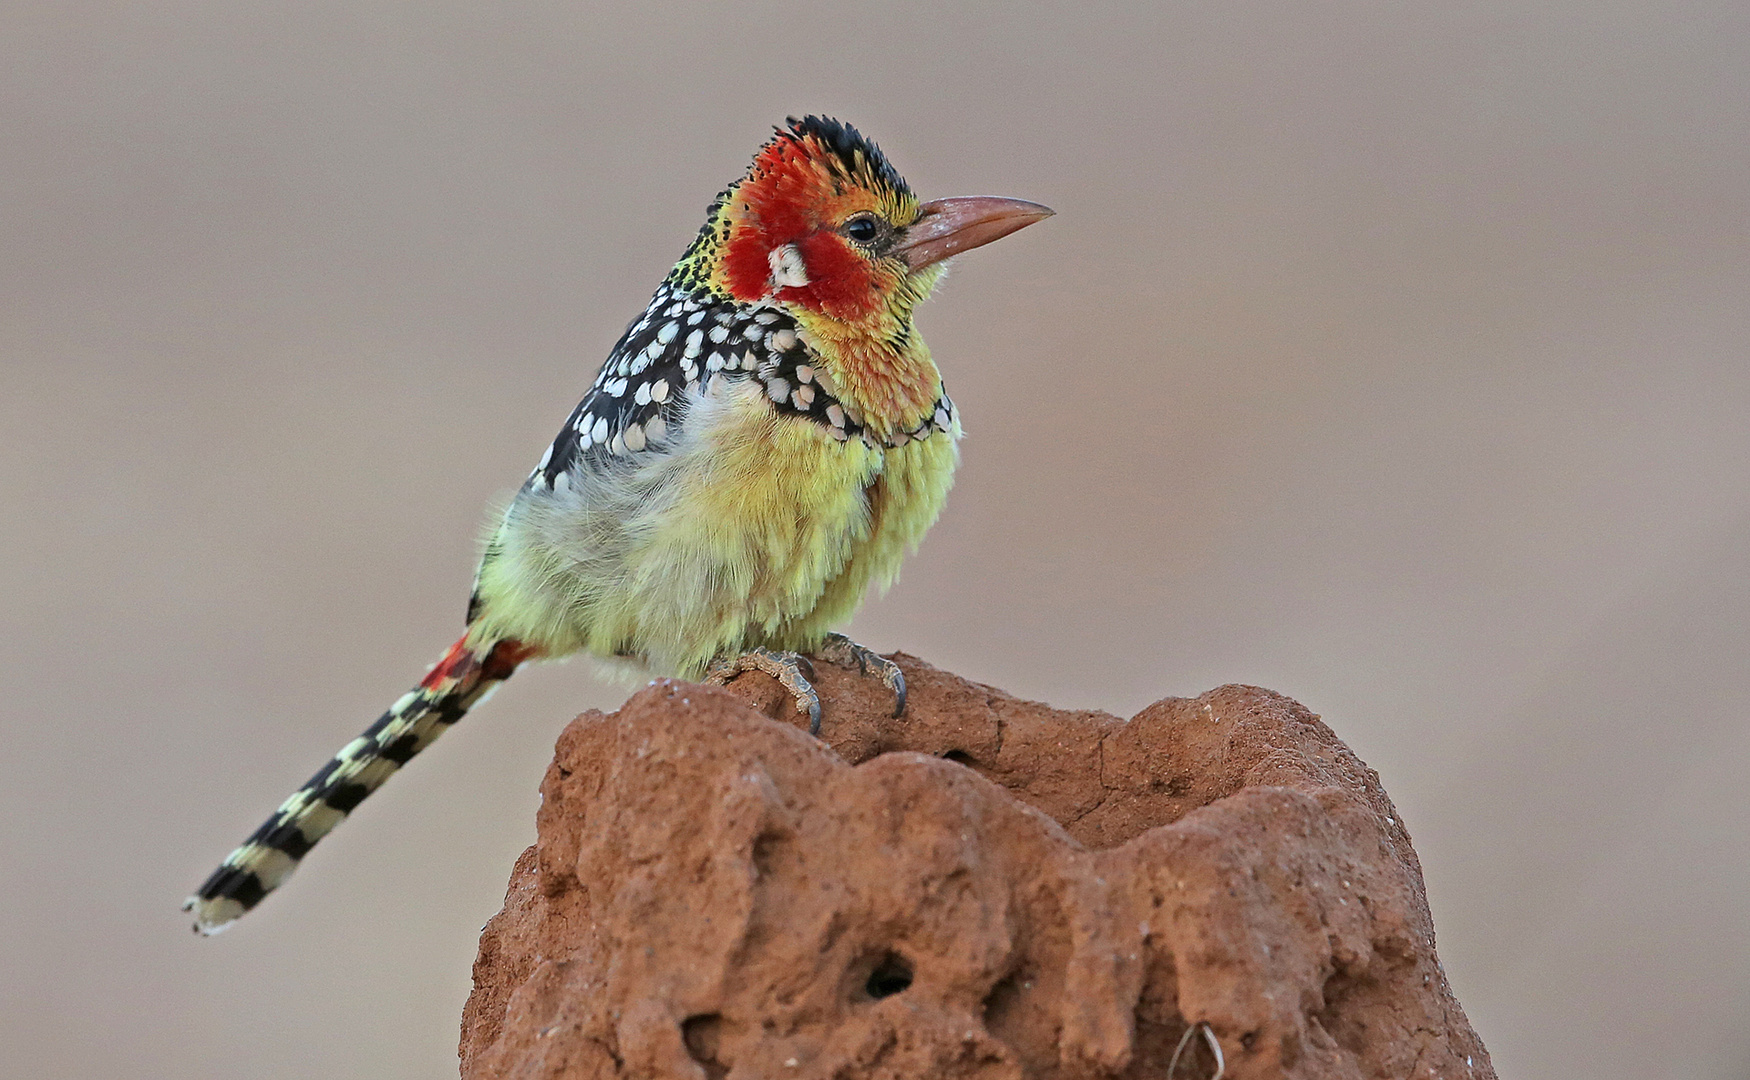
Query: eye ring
{"x": 864, "y": 229}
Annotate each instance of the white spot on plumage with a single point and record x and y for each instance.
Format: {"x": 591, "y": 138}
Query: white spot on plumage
{"x": 804, "y": 396}
{"x": 618, "y": 446}
{"x": 546, "y": 458}
{"x": 783, "y": 340}
{"x": 835, "y": 416}
{"x": 667, "y": 333}
{"x": 804, "y": 373}
{"x": 788, "y": 270}
{"x": 824, "y": 381}
{"x": 659, "y": 390}
{"x": 655, "y": 429}
{"x": 642, "y": 397}
{"x": 719, "y": 333}
{"x": 778, "y": 390}
{"x": 634, "y": 436}
{"x": 714, "y": 362}
{"x": 562, "y": 482}
{"x": 767, "y": 318}
{"x": 695, "y": 342}
{"x": 600, "y": 431}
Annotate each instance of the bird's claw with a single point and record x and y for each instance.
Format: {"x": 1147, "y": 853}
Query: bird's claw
{"x": 786, "y": 667}
{"x": 794, "y": 672}
{"x": 841, "y": 650}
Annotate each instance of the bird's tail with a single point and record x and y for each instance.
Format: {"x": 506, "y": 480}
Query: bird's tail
{"x": 466, "y": 674}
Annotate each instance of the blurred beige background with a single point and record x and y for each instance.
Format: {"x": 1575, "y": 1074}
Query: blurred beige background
{"x": 1394, "y": 357}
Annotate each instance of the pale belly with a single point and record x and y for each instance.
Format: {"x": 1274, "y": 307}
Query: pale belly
{"x": 746, "y": 529}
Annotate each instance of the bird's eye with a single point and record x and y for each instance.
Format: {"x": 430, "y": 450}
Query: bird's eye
{"x": 863, "y": 229}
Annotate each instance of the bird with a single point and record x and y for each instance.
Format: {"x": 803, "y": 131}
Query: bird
{"x": 765, "y": 443}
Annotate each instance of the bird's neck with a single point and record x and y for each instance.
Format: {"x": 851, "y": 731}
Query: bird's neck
{"x": 888, "y": 377}
{"x": 880, "y": 368}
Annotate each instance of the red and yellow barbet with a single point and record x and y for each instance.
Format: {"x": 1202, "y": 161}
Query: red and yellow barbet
{"x": 768, "y": 439}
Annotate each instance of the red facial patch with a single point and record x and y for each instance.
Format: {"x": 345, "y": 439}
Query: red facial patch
{"x": 791, "y": 197}
{"x": 839, "y": 281}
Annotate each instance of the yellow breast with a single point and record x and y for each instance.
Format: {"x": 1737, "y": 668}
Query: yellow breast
{"x": 748, "y": 528}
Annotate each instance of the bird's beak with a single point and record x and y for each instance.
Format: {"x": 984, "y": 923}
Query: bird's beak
{"x": 949, "y": 226}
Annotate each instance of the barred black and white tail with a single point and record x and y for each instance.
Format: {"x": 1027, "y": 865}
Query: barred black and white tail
{"x": 465, "y": 675}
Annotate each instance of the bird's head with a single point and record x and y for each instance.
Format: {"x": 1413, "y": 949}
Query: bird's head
{"x": 825, "y": 227}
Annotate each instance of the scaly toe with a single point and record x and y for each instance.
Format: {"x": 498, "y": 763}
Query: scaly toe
{"x": 784, "y": 667}
{"x": 841, "y": 650}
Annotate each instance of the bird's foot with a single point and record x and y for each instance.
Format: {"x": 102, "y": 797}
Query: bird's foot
{"x": 844, "y": 652}
{"x": 786, "y": 667}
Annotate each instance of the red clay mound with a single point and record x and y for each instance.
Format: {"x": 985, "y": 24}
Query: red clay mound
{"x": 987, "y": 887}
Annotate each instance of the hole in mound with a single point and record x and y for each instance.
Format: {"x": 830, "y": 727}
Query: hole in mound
{"x": 890, "y": 976}
{"x": 999, "y": 1004}
{"x": 960, "y": 757}
{"x": 703, "y": 1034}
{"x": 765, "y": 853}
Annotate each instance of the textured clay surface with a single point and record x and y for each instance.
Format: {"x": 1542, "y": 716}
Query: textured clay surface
{"x": 987, "y": 887}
